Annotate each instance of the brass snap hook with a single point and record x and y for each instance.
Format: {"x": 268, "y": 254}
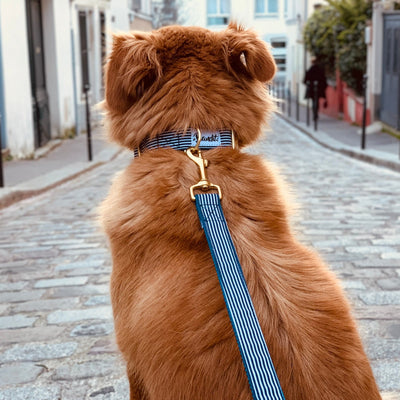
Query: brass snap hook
{"x": 194, "y": 153}
{"x": 197, "y": 147}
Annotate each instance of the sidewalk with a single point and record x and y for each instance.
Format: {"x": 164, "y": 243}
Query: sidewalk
{"x": 381, "y": 148}
{"x": 53, "y": 164}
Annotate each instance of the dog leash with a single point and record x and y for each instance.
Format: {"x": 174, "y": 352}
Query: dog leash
{"x": 260, "y": 371}
{"x": 261, "y": 374}
{"x": 264, "y": 383}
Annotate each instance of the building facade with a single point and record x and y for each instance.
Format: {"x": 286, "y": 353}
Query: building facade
{"x": 383, "y": 40}
{"x": 267, "y": 17}
{"x": 140, "y": 15}
{"x": 382, "y": 37}
{"x": 298, "y": 59}
{"x": 50, "y": 50}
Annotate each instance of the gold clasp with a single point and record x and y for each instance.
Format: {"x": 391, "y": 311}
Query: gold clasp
{"x": 194, "y": 153}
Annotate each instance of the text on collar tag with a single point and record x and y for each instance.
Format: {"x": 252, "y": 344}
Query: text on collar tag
{"x": 208, "y": 139}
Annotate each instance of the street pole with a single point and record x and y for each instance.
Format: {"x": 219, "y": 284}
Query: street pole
{"x": 398, "y": 114}
{"x": 308, "y": 90}
{"x": 315, "y": 105}
{"x": 364, "y": 120}
{"x": 88, "y": 127}
{"x": 1, "y": 160}
{"x": 297, "y": 102}
{"x": 289, "y": 100}
{"x": 278, "y": 94}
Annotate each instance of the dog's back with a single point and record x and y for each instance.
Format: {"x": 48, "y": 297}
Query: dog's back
{"x": 170, "y": 318}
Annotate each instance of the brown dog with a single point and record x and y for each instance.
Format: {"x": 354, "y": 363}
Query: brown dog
{"x": 170, "y": 318}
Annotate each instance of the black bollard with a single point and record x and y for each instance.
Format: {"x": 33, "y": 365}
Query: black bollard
{"x": 308, "y": 91}
{"x": 364, "y": 120}
{"x": 398, "y": 118}
{"x": 297, "y": 102}
{"x": 278, "y": 93}
{"x": 289, "y": 96}
{"x": 88, "y": 128}
{"x": 315, "y": 105}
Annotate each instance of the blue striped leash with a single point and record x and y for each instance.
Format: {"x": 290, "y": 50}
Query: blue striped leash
{"x": 264, "y": 383}
{"x": 261, "y": 374}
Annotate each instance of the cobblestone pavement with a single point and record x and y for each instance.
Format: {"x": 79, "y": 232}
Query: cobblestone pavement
{"x": 56, "y": 338}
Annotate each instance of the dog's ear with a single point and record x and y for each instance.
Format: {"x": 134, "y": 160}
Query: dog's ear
{"x": 132, "y": 68}
{"x": 247, "y": 55}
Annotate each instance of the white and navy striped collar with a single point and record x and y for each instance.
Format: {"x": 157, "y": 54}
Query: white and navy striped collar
{"x": 182, "y": 140}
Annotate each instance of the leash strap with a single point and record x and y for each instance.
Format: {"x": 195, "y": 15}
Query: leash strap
{"x": 264, "y": 383}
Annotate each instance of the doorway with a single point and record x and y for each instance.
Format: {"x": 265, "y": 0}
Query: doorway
{"x": 40, "y": 98}
{"x": 390, "y": 98}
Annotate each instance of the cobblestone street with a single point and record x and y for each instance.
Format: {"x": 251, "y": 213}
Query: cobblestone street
{"x": 56, "y": 339}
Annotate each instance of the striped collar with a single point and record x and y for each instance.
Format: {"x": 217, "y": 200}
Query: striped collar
{"x": 182, "y": 140}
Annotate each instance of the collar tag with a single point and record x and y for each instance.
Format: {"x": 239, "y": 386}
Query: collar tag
{"x": 208, "y": 139}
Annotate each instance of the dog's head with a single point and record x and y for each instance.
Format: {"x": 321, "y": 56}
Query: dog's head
{"x": 180, "y": 77}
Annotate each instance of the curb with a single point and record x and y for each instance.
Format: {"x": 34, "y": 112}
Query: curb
{"x": 369, "y": 156}
{"x": 47, "y": 148}
{"x": 39, "y": 185}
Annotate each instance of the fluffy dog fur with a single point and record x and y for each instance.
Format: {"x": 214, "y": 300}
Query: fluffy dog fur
{"x": 170, "y": 318}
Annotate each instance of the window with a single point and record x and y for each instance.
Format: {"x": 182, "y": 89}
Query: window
{"x": 266, "y": 8}
{"x": 278, "y": 44}
{"x": 218, "y": 12}
{"x": 279, "y": 51}
{"x": 280, "y": 62}
{"x": 135, "y": 5}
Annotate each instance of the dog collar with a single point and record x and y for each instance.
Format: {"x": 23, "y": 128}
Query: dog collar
{"x": 182, "y": 140}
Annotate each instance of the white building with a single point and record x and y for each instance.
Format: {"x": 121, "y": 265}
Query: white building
{"x": 383, "y": 71}
{"x": 382, "y": 37}
{"x": 43, "y": 45}
{"x": 267, "y": 17}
